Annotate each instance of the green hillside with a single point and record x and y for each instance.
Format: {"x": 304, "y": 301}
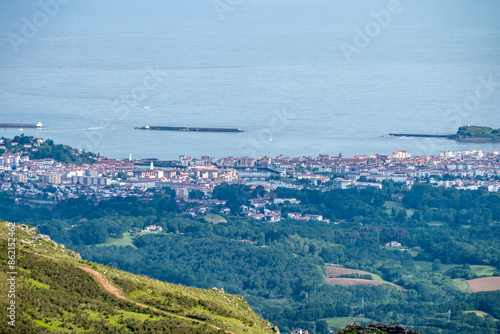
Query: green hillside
{"x": 56, "y": 291}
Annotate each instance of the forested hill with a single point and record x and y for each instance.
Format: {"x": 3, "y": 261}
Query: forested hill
{"x": 55, "y": 290}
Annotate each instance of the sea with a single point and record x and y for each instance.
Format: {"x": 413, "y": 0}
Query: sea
{"x": 300, "y": 78}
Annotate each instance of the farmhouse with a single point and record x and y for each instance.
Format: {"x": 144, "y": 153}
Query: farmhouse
{"x": 314, "y": 217}
{"x": 393, "y": 244}
{"x": 299, "y": 331}
{"x": 283, "y": 200}
{"x": 153, "y": 228}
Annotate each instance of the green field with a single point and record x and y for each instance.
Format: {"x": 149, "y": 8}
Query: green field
{"x": 436, "y": 223}
{"x": 461, "y": 284}
{"x": 375, "y": 277}
{"x": 341, "y": 322}
{"x": 413, "y": 253}
{"x": 214, "y": 219}
{"x": 479, "y": 270}
{"x": 127, "y": 240}
{"x": 479, "y": 313}
{"x": 389, "y": 205}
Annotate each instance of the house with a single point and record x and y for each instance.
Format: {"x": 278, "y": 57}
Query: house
{"x": 393, "y": 244}
{"x": 225, "y": 210}
{"x": 248, "y": 211}
{"x": 284, "y": 200}
{"x": 314, "y": 217}
{"x": 294, "y": 215}
{"x": 260, "y": 202}
{"x": 272, "y": 217}
{"x": 400, "y": 155}
{"x": 299, "y": 331}
{"x": 397, "y": 197}
{"x": 153, "y": 228}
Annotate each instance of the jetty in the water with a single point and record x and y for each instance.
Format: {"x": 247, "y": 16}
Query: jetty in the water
{"x": 185, "y": 128}
{"x": 21, "y": 126}
{"x": 421, "y": 135}
{"x": 469, "y": 133}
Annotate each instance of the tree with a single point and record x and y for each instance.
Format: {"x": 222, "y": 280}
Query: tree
{"x": 167, "y": 204}
{"x": 196, "y": 194}
{"x": 437, "y": 266}
{"x": 321, "y": 327}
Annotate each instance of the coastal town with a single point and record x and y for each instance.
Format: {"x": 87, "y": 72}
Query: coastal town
{"x": 47, "y": 181}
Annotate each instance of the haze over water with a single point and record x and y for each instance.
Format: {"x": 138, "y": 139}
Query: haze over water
{"x": 274, "y": 69}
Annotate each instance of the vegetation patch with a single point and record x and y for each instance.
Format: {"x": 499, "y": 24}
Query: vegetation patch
{"x": 38, "y": 285}
{"x": 478, "y": 313}
{"x": 393, "y": 205}
{"x": 474, "y": 131}
{"x": 214, "y": 218}
{"x": 127, "y": 240}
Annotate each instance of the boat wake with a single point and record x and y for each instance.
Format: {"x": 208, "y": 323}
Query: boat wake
{"x": 83, "y": 129}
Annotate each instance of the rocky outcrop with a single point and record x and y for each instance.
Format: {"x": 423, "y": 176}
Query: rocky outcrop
{"x": 27, "y": 228}
{"x": 76, "y": 255}
{"x": 274, "y": 329}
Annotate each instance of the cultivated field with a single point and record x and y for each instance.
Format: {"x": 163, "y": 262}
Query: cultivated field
{"x": 485, "y": 284}
{"x": 337, "y": 271}
{"x": 356, "y": 281}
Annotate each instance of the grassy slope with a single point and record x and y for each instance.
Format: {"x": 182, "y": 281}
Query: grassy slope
{"x": 52, "y": 293}
{"x": 126, "y": 240}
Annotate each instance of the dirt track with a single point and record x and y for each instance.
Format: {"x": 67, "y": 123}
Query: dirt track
{"x": 115, "y": 291}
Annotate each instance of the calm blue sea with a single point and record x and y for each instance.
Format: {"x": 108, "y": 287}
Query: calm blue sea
{"x": 299, "y": 77}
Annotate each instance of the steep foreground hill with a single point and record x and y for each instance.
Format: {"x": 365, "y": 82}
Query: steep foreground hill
{"x": 46, "y": 288}
{"x": 55, "y": 290}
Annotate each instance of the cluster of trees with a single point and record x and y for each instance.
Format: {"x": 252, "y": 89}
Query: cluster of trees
{"x": 83, "y": 222}
{"x": 47, "y": 149}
